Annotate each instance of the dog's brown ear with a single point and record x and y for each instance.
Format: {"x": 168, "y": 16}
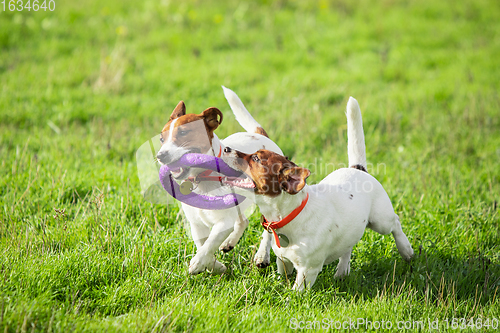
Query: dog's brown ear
{"x": 293, "y": 179}
{"x": 179, "y": 111}
{"x": 213, "y": 118}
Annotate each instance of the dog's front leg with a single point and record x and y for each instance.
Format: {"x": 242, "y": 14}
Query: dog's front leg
{"x": 199, "y": 233}
{"x": 305, "y": 278}
{"x": 205, "y": 256}
{"x": 239, "y": 227}
{"x": 263, "y": 256}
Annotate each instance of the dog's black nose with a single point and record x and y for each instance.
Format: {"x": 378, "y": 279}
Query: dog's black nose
{"x": 228, "y": 150}
{"x": 163, "y": 157}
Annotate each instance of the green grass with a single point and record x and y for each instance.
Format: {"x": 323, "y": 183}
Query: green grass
{"x": 82, "y": 87}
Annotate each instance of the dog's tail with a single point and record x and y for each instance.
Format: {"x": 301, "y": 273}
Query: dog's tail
{"x": 242, "y": 115}
{"x": 355, "y": 137}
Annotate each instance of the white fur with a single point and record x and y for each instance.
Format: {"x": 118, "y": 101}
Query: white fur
{"x": 339, "y": 209}
{"x": 355, "y": 134}
{"x": 221, "y": 229}
{"x": 240, "y": 112}
{"x": 171, "y": 131}
{"x": 169, "y": 145}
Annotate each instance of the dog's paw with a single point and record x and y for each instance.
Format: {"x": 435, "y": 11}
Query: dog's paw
{"x": 195, "y": 266}
{"x": 226, "y": 247}
{"x": 342, "y": 271}
{"x": 262, "y": 260}
{"x": 262, "y": 264}
{"x": 406, "y": 253}
{"x": 298, "y": 287}
{"x": 341, "y": 274}
{"x": 201, "y": 263}
{"x": 219, "y": 268}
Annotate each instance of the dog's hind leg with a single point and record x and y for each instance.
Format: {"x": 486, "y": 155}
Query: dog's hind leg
{"x": 239, "y": 227}
{"x": 385, "y": 223}
{"x": 344, "y": 266}
{"x": 402, "y": 243}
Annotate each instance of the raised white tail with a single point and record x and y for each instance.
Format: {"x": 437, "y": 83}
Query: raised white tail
{"x": 355, "y": 137}
{"x": 242, "y": 115}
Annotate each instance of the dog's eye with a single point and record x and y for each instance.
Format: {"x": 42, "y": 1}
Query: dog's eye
{"x": 183, "y": 133}
{"x": 256, "y": 158}
{"x": 162, "y": 140}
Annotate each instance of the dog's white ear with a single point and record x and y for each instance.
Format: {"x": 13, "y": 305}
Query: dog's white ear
{"x": 180, "y": 110}
{"x": 213, "y": 117}
{"x": 294, "y": 179}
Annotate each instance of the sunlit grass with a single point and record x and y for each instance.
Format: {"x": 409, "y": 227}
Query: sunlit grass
{"x": 81, "y": 88}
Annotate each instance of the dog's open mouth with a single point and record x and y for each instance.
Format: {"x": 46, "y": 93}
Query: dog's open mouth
{"x": 245, "y": 183}
{"x": 179, "y": 173}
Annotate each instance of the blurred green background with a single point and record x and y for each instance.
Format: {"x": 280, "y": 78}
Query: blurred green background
{"x": 83, "y": 86}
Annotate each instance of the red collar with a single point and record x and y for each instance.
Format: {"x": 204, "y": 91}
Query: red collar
{"x": 272, "y": 226}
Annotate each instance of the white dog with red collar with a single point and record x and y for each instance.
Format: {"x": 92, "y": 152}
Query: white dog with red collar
{"x": 316, "y": 225}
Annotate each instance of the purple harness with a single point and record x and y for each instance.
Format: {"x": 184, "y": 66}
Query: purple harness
{"x": 199, "y": 200}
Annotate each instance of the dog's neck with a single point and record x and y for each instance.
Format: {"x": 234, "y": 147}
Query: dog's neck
{"x": 277, "y": 208}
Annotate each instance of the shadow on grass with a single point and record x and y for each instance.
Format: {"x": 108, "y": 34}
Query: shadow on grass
{"x": 432, "y": 276}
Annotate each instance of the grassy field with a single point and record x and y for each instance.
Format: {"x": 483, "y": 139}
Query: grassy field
{"x": 83, "y": 86}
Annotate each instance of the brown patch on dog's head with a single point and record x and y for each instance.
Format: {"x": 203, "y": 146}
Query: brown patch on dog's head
{"x": 272, "y": 173}
{"x": 179, "y": 111}
{"x": 192, "y": 131}
{"x": 294, "y": 179}
{"x": 213, "y": 118}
